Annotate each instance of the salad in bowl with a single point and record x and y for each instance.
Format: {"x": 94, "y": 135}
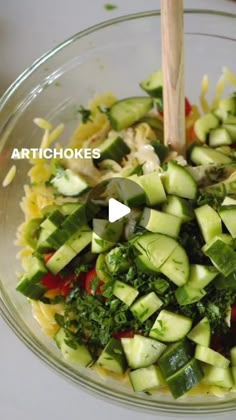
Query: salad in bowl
{"x": 149, "y": 299}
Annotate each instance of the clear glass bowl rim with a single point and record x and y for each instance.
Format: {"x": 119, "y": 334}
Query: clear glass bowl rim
{"x": 6, "y": 304}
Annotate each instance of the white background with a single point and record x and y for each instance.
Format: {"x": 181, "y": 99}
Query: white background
{"x": 29, "y": 390}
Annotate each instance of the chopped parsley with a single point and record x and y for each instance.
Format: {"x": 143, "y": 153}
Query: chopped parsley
{"x": 86, "y": 114}
{"x": 109, "y": 6}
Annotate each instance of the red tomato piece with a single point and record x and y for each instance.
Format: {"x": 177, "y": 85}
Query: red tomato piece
{"x": 51, "y": 281}
{"x": 188, "y": 107}
{"x": 123, "y": 334}
{"x": 90, "y": 276}
{"x": 48, "y": 256}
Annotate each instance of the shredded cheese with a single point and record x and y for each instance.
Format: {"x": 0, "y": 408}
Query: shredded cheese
{"x": 9, "y": 176}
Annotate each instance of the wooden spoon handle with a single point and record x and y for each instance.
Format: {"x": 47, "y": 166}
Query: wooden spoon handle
{"x": 172, "y": 29}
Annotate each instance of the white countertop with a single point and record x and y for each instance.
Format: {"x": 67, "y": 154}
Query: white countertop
{"x": 29, "y": 390}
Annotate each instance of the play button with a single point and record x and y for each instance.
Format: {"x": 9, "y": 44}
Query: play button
{"x": 117, "y": 210}
{"x": 112, "y": 204}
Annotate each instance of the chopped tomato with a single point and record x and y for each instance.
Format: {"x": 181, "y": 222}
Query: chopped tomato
{"x": 188, "y": 107}
{"x": 67, "y": 284}
{"x": 217, "y": 343}
{"x": 51, "y": 281}
{"x": 123, "y": 334}
{"x": 48, "y": 256}
{"x": 233, "y": 314}
{"x": 90, "y": 276}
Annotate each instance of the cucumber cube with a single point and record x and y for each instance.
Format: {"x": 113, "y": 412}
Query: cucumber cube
{"x": 175, "y": 177}
{"x": 32, "y": 291}
{"x": 178, "y": 207}
{"x": 228, "y": 215}
{"x": 211, "y": 357}
{"x": 146, "y": 306}
{"x": 60, "y": 259}
{"x": 112, "y": 358}
{"x": 80, "y": 355}
{"x": 170, "y": 327}
{"x": 156, "y": 247}
{"x": 142, "y": 351}
{"x": 201, "y": 275}
{"x": 185, "y": 379}
{"x": 105, "y": 235}
{"x": 217, "y": 376}
{"x": 175, "y": 357}
{"x": 158, "y": 222}
{"x": 153, "y": 188}
{"x": 124, "y": 292}
{"x": 113, "y": 148}
{"x": 144, "y": 379}
{"x": 176, "y": 267}
{"x": 55, "y": 219}
{"x": 79, "y": 240}
{"x": 204, "y": 124}
{"x": 201, "y": 333}
{"x": 222, "y": 256}
{"x": 187, "y": 295}
{"x": 233, "y": 356}
{"x": 36, "y": 270}
{"x": 208, "y": 221}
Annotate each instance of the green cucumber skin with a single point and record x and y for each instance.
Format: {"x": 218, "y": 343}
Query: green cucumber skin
{"x": 175, "y": 357}
{"x": 126, "y": 112}
{"x": 185, "y": 379}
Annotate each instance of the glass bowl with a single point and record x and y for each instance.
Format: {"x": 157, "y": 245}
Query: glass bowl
{"x": 113, "y": 56}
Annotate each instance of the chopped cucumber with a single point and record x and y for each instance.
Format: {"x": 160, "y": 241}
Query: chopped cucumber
{"x": 61, "y": 258}
{"x": 185, "y": 378}
{"x": 69, "y": 184}
{"x": 36, "y": 270}
{"x": 201, "y": 333}
{"x": 128, "y": 111}
{"x": 170, "y": 327}
{"x": 116, "y": 261}
{"x": 141, "y": 351}
{"x": 219, "y": 137}
{"x": 217, "y": 376}
{"x": 224, "y": 283}
{"x": 153, "y": 85}
{"x": 147, "y": 378}
{"x": 153, "y": 188}
{"x": 54, "y": 220}
{"x": 160, "y": 149}
{"x": 227, "y": 105}
{"x": 124, "y": 292}
{"x": 228, "y": 201}
{"x": 144, "y": 264}
{"x": 113, "y": 148}
{"x": 228, "y": 215}
{"x": 32, "y": 231}
{"x": 105, "y": 235}
{"x": 211, "y": 357}
{"x": 233, "y": 356}
{"x": 175, "y": 177}
{"x": 75, "y": 220}
{"x": 186, "y": 295}
{"x": 203, "y": 155}
{"x": 69, "y": 208}
{"x": 178, "y": 207}
{"x": 222, "y": 256}
{"x": 131, "y": 193}
{"x": 101, "y": 268}
{"x": 32, "y": 291}
{"x": 156, "y": 247}
{"x": 176, "y": 267}
{"x": 175, "y": 357}
{"x": 208, "y": 221}
{"x": 201, "y": 275}
{"x": 43, "y": 244}
{"x": 159, "y": 222}
{"x": 112, "y": 357}
{"x": 231, "y": 128}
{"x": 146, "y": 306}
{"x": 204, "y": 124}
{"x": 80, "y": 239}
{"x": 80, "y": 355}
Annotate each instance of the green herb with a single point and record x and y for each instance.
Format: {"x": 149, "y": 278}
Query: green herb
{"x": 109, "y": 6}
{"x": 85, "y": 114}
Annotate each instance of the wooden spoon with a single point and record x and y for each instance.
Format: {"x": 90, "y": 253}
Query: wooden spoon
{"x": 172, "y": 29}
